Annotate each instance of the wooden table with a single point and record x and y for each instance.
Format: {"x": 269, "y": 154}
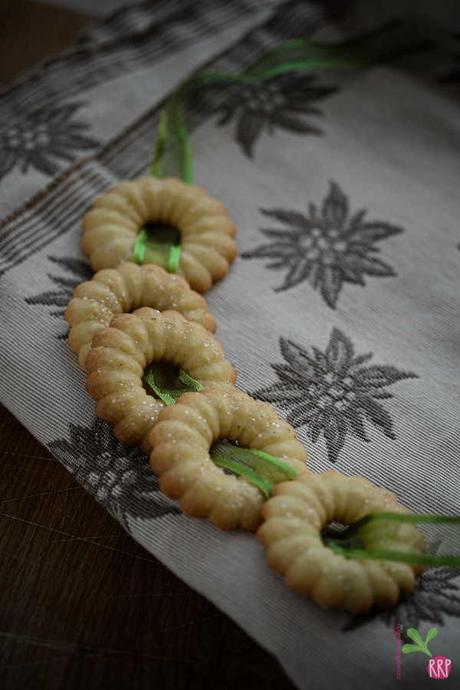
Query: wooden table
{"x": 82, "y": 606}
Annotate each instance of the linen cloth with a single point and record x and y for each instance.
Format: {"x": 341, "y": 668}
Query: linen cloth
{"x": 370, "y": 186}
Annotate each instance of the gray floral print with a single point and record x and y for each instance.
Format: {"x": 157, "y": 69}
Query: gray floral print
{"x": 63, "y": 286}
{"x": 116, "y": 475}
{"x": 42, "y": 139}
{"x": 436, "y": 595}
{"x": 333, "y": 392}
{"x": 326, "y": 247}
{"x": 285, "y": 102}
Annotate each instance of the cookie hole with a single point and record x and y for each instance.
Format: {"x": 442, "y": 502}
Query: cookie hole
{"x": 335, "y": 529}
{"x": 215, "y": 447}
{"x": 167, "y": 382}
{"x": 161, "y": 237}
{"x": 166, "y": 375}
{"x": 341, "y": 534}
{"x": 251, "y": 464}
{"x": 163, "y": 233}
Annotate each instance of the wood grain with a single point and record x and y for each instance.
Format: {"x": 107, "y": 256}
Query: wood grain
{"x": 82, "y": 606}
{"x": 30, "y": 31}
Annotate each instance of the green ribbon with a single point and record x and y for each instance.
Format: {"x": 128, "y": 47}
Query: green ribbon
{"x": 140, "y": 247}
{"x": 257, "y": 467}
{"x": 154, "y": 251}
{"x": 173, "y": 258}
{"x": 172, "y": 158}
{"x": 348, "y": 543}
{"x": 173, "y": 152}
{"x": 260, "y": 469}
{"x": 169, "y": 383}
{"x": 387, "y": 42}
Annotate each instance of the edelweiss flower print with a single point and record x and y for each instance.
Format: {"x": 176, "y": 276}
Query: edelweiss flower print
{"x": 42, "y": 139}
{"x": 436, "y": 596}
{"x": 326, "y": 247}
{"x": 333, "y": 393}
{"x": 116, "y": 475}
{"x": 284, "y": 102}
{"x": 59, "y": 296}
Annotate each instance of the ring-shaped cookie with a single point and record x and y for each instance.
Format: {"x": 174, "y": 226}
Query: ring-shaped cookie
{"x": 207, "y": 246}
{"x": 120, "y": 353}
{"x": 114, "y": 291}
{"x": 292, "y": 532}
{"x": 181, "y": 440}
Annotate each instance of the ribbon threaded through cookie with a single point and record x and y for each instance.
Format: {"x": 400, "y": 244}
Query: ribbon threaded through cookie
{"x": 163, "y": 253}
{"x": 172, "y": 158}
{"x": 169, "y": 387}
{"x": 260, "y": 469}
{"x": 349, "y": 542}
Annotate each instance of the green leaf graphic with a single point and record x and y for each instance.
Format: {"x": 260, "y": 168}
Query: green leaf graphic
{"x": 420, "y": 644}
{"x": 408, "y": 648}
{"x": 431, "y": 634}
{"x": 415, "y": 635}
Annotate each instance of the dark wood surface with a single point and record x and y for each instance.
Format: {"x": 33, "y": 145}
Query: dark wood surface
{"x": 30, "y": 31}
{"x": 82, "y": 606}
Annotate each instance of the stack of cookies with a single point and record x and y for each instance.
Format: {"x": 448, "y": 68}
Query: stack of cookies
{"x": 130, "y": 316}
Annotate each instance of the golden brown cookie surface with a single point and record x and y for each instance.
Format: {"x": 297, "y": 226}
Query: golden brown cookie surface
{"x": 206, "y": 232}
{"x": 181, "y": 441}
{"x": 120, "y": 353}
{"x": 119, "y": 290}
{"x": 293, "y": 523}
